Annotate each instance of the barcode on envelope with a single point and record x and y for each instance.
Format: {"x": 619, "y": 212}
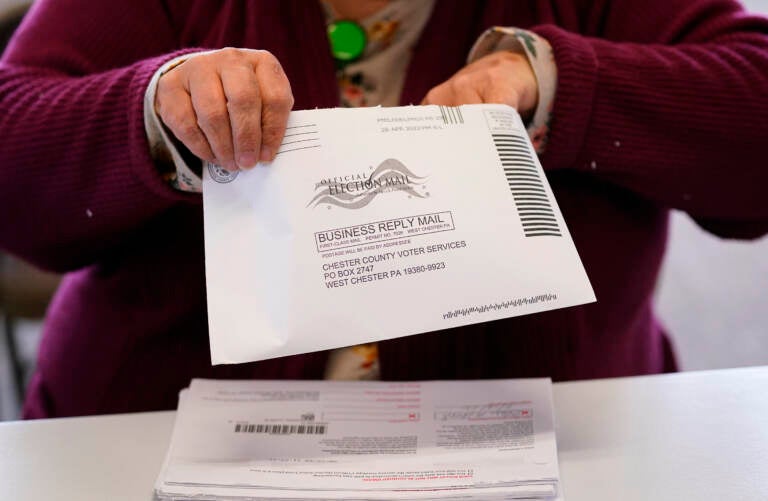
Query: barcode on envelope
{"x": 527, "y": 188}
{"x": 451, "y": 115}
{"x": 281, "y": 429}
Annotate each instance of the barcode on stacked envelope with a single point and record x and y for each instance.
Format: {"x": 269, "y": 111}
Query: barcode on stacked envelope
{"x": 524, "y": 181}
{"x": 281, "y": 429}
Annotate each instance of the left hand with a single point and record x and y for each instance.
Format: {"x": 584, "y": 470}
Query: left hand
{"x": 501, "y": 77}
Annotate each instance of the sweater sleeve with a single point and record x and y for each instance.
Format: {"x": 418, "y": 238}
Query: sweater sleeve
{"x": 668, "y": 99}
{"x": 76, "y": 175}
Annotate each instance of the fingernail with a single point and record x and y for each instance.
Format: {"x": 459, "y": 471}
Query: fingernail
{"x": 266, "y": 154}
{"x": 230, "y": 166}
{"x": 247, "y": 160}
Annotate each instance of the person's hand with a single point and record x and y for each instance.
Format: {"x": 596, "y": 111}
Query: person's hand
{"x": 229, "y": 107}
{"x": 501, "y": 77}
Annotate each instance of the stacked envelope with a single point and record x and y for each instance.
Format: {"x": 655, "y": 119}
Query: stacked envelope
{"x": 270, "y": 440}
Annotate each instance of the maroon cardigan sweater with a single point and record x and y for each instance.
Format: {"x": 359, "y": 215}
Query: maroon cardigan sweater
{"x": 660, "y": 104}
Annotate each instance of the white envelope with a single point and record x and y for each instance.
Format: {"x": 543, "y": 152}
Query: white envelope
{"x": 376, "y": 223}
{"x": 488, "y": 439}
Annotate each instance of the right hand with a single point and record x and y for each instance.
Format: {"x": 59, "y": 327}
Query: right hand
{"x": 229, "y": 107}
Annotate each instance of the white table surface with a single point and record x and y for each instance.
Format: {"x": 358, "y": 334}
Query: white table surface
{"x": 689, "y": 436}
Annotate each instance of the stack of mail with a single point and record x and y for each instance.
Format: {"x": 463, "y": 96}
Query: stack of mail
{"x": 270, "y": 440}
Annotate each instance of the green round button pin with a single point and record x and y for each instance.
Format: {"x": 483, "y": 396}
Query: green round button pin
{"x": 347, "y": 40}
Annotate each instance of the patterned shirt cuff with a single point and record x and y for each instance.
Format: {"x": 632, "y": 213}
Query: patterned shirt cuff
{"x": 542, "y": 59}
{"x": 164, "y": 150}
